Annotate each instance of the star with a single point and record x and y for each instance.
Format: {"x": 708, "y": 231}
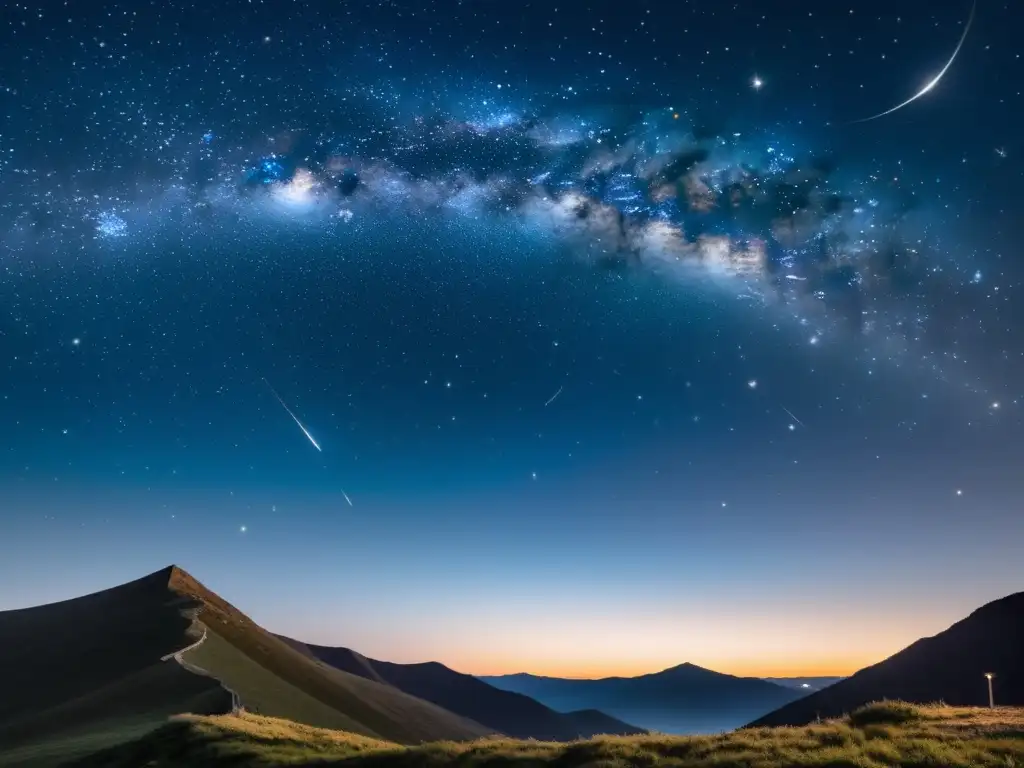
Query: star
{"x": 752, "y": 383}
{"x": 243, "y": 529}
{"x": 756, "y": 83}
{"x": 76, "y": 341}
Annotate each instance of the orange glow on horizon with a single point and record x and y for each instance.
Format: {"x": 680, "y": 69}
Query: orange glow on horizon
{"x": 822, "y": 668}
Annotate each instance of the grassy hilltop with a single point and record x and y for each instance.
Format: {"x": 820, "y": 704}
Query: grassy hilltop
{"x": 878, "y": 735}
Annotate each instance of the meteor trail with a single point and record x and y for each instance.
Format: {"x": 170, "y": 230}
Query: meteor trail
{"x": 295, "y": 419}
{"x": 935, "y": 80}
{"x": 554, "y": 396}
{"x": 794, "y": 418}
{"x": 347, "y": 498}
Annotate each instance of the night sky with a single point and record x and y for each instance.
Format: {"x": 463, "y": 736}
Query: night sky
{"x": 524, "y": 336}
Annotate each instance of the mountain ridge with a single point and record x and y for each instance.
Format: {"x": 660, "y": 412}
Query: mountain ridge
{"x": 685, "y": 698}
{"x": 509, "y": 712}
{"x": 948, "y": 666}
{"x": 109, "y": 665}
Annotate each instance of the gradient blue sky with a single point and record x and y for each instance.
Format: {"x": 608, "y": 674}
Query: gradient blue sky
{"x": 711, "y": 485}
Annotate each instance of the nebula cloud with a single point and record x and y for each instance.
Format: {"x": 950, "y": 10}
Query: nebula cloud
{"x": 774, "y": 222}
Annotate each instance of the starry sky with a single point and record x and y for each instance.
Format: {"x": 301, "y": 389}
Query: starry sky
{"x": 575, "y": 338}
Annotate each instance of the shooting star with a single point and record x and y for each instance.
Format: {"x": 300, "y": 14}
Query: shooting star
{"x": 554, "y": 396}
{"x": 935, "y": 80}
{"x": 347, "y": 498}
{"x": 794, "y": 418}
{"x": 295, "y": 419}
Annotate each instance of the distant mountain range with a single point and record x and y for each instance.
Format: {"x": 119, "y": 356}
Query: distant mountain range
{"x": 682, "y": 699}
{"x": 949, "y": 667}
{"x": 507, "y": 712}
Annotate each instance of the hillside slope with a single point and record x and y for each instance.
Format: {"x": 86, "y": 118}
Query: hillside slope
{"x": 99, "y": 669}
{"x": 882, "y": 735}
{"x": 685, "y": 699}
{"x": 949, "y": 667}
{"x": 510, "y": 713}
{"x": 253, "y": 659}
{"x": 87, "y": 672}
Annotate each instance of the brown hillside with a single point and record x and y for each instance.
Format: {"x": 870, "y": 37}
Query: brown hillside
{"x": 92, "y": 665}
{"x": 82, "y": 674}
{"x": 889, "y": 735}
{"x": 379, "y": 710}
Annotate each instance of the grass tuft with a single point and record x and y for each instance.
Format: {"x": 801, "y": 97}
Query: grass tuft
{"x": 885, "y": 713}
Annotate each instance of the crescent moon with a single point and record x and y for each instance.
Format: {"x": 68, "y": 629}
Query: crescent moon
{"x": 935, "y": 80}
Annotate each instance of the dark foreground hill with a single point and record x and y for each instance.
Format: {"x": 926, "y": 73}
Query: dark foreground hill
{"x": 948, "y": 667}
{"x": 84, "y": 673}
{"x": 508, "y": 712}
{"x": 682, "y": 699}
{"x": 89, "y": 670}
{"x": 888, "y": 735}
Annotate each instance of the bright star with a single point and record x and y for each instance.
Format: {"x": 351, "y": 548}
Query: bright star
{"x": 757, "y": 82}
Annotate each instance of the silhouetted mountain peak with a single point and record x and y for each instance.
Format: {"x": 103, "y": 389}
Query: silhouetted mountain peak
{"x": 947, "y": 666}
{"x": 686, "y": 668}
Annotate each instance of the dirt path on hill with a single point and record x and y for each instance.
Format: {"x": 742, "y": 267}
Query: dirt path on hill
{"x": 236, "y": 702}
